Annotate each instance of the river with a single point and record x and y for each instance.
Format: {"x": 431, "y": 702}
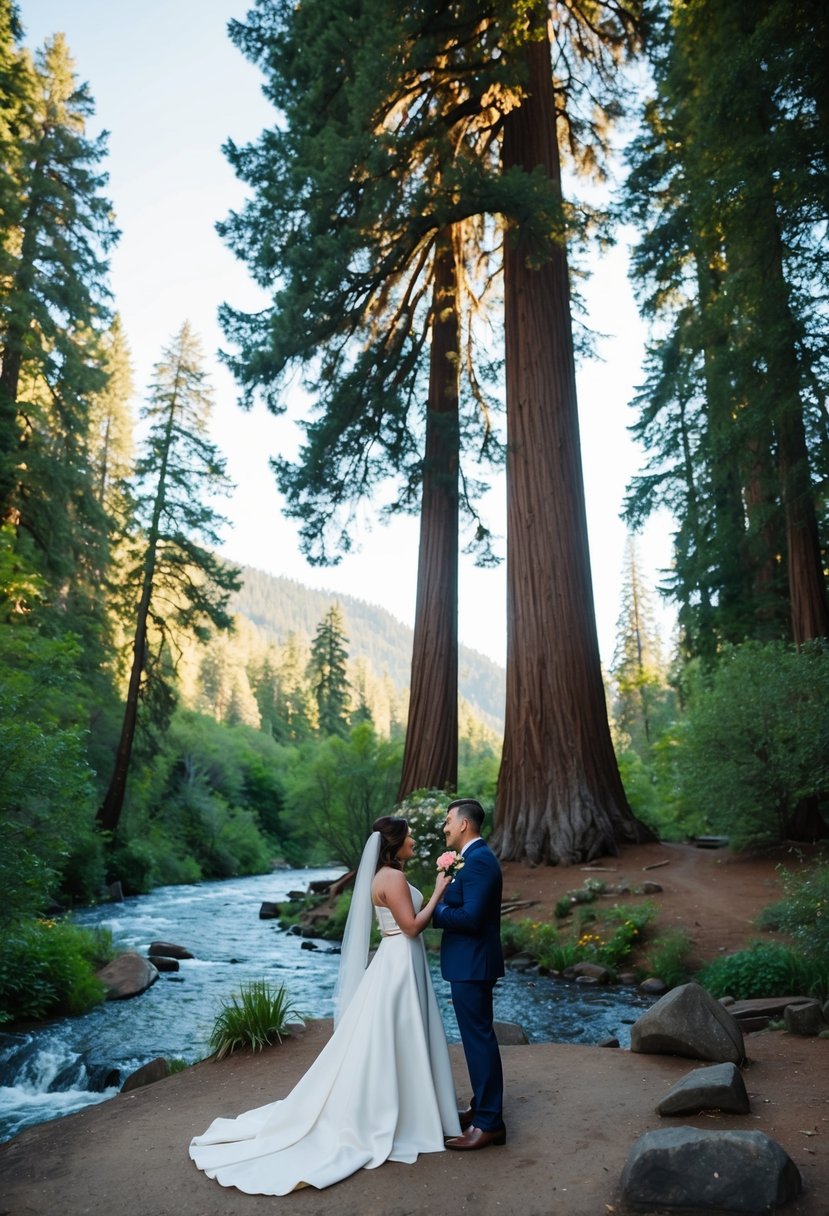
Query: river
{"x": 61, "y": 1066}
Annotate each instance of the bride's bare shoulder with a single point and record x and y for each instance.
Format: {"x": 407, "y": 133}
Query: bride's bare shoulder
{"x": 386, "y": 881}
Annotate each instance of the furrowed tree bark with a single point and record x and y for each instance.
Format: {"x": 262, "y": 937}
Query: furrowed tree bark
{"x": 430, "y": 758}
{"x": 560, "y": 797}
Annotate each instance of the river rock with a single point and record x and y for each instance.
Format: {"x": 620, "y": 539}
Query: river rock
{"x": 653, "y": 986}
{"x": 510, "y": 1034}
{"x": 128, "y": 975}
{"x": 762, "y": 1006}
{"x": 593, "y": 971}
{"x": 649, "y": 887}
{"x": 521, "y": 961}
{"x": 687, "y": 1021}
{"x": 269, "y": 911}
{"x": 155, "y": 1070}
{"x": 162, "y": 963}
{"x": 718, "y": 1087}
{"x": 169, "y": 950}
{"x": 689, "y": 1169}
{"x": 804, "y": 1019}
{"x": 611, "y": 1041}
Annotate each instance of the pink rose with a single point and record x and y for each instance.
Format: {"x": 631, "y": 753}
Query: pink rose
{"x": 449, "y": 862}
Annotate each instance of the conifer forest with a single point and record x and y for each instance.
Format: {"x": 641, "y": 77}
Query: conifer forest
{"x": 418, "y": 217}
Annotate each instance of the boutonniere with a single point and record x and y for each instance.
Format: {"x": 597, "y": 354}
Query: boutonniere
{"x": 450, "y": 863}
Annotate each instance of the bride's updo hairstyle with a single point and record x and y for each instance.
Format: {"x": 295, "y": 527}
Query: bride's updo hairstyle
{"x": 392, "y": 834}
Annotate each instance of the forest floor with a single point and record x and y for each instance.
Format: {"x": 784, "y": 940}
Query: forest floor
{"x": 572, "y": 1111}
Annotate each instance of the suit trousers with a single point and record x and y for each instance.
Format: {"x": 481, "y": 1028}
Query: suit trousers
{"x": 473, "y": 1009}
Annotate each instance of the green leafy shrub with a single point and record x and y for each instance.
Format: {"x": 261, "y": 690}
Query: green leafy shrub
{"x": 804, "y": 911}
{"x": 667, "y": 957}
{"x": 609, "y": 939}
{"x": 47, "y": 968}
{"x": 754, "y": 746}
{"x": 255, "y": 1018}
{"x": 765, "y": 969}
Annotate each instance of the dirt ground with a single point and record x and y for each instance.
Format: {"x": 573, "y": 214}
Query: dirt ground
{"x": 572, "y": 1112}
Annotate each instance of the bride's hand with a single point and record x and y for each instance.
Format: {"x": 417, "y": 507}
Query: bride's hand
{"x": 442, "y": 882}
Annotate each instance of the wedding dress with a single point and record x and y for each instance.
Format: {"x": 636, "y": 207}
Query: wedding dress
{"x": 380, "y": 1090}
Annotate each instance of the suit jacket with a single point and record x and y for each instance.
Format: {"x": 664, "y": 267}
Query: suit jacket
{"x": 470, "y": 916}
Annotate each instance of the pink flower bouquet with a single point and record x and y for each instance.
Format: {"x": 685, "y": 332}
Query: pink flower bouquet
{"x": 449, "y": 862}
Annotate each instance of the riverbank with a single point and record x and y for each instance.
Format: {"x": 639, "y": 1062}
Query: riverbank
{"x": 573, "y": 1112}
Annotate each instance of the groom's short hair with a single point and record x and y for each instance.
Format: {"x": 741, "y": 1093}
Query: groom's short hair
{"x": 469, "y": 809}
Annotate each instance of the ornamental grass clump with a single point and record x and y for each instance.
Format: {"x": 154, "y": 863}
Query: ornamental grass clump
{"x": 255, "y": 1018}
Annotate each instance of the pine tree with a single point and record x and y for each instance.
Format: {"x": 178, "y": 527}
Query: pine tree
{"x": 328, "y": 674}
{"x": 638, "y": 666}
{"x": 55, "y": 234}
{"x": 727, "y": 184}
{"x": 182, "y": 588}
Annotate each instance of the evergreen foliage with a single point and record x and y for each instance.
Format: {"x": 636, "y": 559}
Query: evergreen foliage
{"x": 643, "y": 703}
{"x": 328, "y": 674}
{"x": 753, "y": 747}
{"x": 180, "y": 585}
{"x": 728, "y": 191}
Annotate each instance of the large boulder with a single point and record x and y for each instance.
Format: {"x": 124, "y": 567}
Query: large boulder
{"x": 717, "y": 1087}
{"x": 126, "y": 976}
{"x": 687, "y": 1021}
{"x": 688, "y": 1169}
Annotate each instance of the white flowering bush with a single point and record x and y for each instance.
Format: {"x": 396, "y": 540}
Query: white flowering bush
{"x": 425, "y": 811}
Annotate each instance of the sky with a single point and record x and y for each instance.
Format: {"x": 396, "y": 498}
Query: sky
{"x": 170, "y": 88}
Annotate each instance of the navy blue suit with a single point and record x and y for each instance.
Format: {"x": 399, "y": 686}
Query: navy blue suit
{"x": 471, "y": 959}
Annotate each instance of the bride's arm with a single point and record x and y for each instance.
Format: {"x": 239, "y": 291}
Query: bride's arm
{"x": 392, "y": 890}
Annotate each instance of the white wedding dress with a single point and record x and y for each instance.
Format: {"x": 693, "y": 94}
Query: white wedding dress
{"x": 380, "y": 1090}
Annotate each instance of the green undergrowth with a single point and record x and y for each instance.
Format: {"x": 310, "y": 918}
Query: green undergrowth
{"x": 47, "y": 969}
{"x": 603, "y": 934}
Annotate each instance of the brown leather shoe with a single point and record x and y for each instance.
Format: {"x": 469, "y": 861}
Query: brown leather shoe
{"x": 475, "y": 1137}
{"x": 467, "y": 1118}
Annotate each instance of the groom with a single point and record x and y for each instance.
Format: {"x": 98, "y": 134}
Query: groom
{"x": 471, "y": 959}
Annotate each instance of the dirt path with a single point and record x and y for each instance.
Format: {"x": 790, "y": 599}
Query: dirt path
{"x": 573, "y": 1112}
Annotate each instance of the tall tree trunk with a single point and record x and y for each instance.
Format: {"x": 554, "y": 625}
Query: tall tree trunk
{"x": 727, "y": 554}
{"x": 430, "y": 758}
{"x": 109, "y": 812}
{"x": 560, "y": 797}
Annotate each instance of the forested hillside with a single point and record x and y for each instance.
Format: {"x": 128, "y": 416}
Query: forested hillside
{"x": 281, "y": 606}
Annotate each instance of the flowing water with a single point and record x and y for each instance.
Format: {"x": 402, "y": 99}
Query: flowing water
{"x": 62, "y": 1066}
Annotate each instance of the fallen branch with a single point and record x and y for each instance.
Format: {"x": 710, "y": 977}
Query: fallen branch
{"x": 656, "y": 864}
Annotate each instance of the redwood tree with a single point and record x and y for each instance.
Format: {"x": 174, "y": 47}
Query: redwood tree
{"x": 430, "y": 757}
{"x": 560, "y": 796}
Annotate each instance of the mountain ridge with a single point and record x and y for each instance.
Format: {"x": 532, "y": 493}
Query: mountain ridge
{"x": 278, "y": 606}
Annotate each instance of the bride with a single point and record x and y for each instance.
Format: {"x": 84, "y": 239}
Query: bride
{"x": 381, "y": 1089}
